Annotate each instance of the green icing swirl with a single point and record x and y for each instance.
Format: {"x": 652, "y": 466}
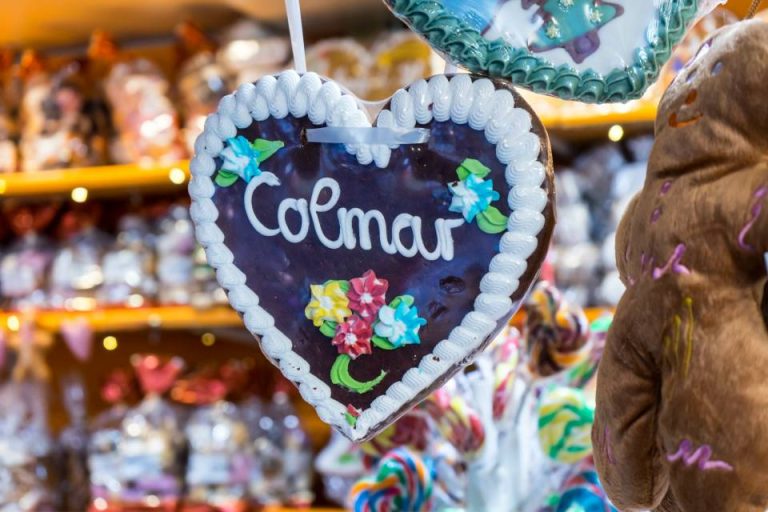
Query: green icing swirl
{"x": 466, "y": 46}
{"x": 341, "y": 377}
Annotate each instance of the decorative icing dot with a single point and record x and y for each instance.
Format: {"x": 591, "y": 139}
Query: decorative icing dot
{"x": 595, "y": 16}
{"x": 566, "y": 4}
{"x": 553, "y": 31}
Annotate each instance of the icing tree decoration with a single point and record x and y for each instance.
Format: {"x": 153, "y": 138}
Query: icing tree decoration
{"x": 472, "y": 197}
{"x": 572, "y": 25}
{"x": 595, "y": 51}
{"x": 373, "y": 260}
{"x": 350, "y": 312}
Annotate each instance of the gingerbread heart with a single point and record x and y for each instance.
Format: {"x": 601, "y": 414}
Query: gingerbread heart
{"x": 589, "y": 50}
{"x": 371, "y": 272}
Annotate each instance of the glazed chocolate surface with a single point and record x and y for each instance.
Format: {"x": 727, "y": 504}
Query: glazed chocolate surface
{"x": 415, "y": 182}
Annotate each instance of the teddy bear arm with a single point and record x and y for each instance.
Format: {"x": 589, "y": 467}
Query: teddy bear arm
{"x": 751, "y": 214}
{"x": 625, "y": 431}
{"x": 622, "y": 240}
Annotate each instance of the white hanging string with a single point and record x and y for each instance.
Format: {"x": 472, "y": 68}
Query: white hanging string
{"x": 293, "y": 9}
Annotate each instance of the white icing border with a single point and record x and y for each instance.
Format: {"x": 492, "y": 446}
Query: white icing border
{"x": 459, "y": 99}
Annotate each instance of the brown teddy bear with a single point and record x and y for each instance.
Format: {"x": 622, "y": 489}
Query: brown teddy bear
{"x": 682, "y": 398}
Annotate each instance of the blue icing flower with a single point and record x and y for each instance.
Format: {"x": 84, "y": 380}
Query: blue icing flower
{"x": 472, "y": 196}
{"x": 241, "y": 158}
{"x": 399, "y": 325}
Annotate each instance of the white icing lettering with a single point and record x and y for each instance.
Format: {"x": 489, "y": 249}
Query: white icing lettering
{"x": 390, "y": 239}
{"x": 403, "y": 221}
{"x": 347, "y": 217}
{"x": 444, "y": 237}
{"x": 431, "y": 256}
{"x": 271, "y": 180}
{"x": 299, "y": 205}
{"x": 316, "y": 207}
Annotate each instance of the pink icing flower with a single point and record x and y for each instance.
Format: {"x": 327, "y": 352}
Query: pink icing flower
{"x": 366, "y": 295}
{"x": 353, "y": 337}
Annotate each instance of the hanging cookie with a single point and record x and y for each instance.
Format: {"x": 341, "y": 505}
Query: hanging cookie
{"x": 594, "y": 51}
{"x": 373, "y": 271}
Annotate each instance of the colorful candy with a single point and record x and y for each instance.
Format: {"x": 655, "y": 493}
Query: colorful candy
{"x": 565, "y": 425}
{"x": 456, "y": 421}
{"x": 505, "y": 354}
{"x": 412, "y": 430}
{"x": 584, "y": 374}
{"x": 557, "y": 334}
{"x": 584, "y": 493}
{"x": 403, "y": 482}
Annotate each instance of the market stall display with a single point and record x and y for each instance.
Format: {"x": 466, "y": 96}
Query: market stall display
{"x": 99, "y": 261}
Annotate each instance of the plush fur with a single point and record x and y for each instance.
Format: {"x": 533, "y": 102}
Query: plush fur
{"x": 682, "y": 398}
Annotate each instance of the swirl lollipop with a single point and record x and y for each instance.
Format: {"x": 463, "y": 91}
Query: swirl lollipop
{"x": 456, "y": 421}
{"x": 583, "y": 492}
{"x": 412, "y": 431}
{"x": 565, "y": 425}
{"x": 505, "y": 353}
{"x": 557, "y": 334}
{"x": 403, "y": 482}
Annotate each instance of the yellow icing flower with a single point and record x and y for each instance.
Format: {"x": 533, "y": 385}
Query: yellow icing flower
{"x": 329, "y": 303}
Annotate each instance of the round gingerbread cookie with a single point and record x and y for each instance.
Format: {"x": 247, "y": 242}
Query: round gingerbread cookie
{"x": 594, "y": 51}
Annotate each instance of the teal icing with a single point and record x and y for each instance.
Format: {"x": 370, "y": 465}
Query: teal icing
{"x": 465, "y": 45}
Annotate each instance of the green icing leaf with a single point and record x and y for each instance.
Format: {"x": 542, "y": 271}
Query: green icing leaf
{"x": 267, "y": 148}
{"x": 344, "y": 285}
{"x": 347, "y": 457}
{"x": 472, "y": 166}
{"x": 382, "y": 343}
{"x": 225, "y": 178}
{"x": 329, "y": 328}
{"x": 341, "y": 377}
{"x": 494, "y": 216}
{"x": 492, "y": 221}
{"x": 407, "y": 299}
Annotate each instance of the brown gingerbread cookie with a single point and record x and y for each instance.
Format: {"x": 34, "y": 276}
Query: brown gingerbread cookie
{"x": 682, "y": 401}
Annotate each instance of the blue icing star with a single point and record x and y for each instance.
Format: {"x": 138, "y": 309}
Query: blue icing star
{"x": 241, "y": 158}
{"x": 471, "y": 196}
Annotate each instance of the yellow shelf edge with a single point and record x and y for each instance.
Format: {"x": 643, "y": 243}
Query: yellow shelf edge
{"x": 168, "y": 317}
{"x": 95, "y": 179}
{"x": 135, "y": 177}
{"x": 131, "y": 319}
{"x": 644, "y": 113}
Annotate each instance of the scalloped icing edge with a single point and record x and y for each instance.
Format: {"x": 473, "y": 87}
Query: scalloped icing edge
{"x": 631, "y": 82}
{"x": 518, "y": 148}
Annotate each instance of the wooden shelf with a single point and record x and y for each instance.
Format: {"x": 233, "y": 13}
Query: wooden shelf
{"x": 128, "y": 319}
{"x": 580, "y": 119}
{"x": 108, "y": 179}
{"x": 164, "y": 317}
{"x": 313, "y": 509}
{"x": 644, "y": 113}
{"x": 585, "y": 121}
